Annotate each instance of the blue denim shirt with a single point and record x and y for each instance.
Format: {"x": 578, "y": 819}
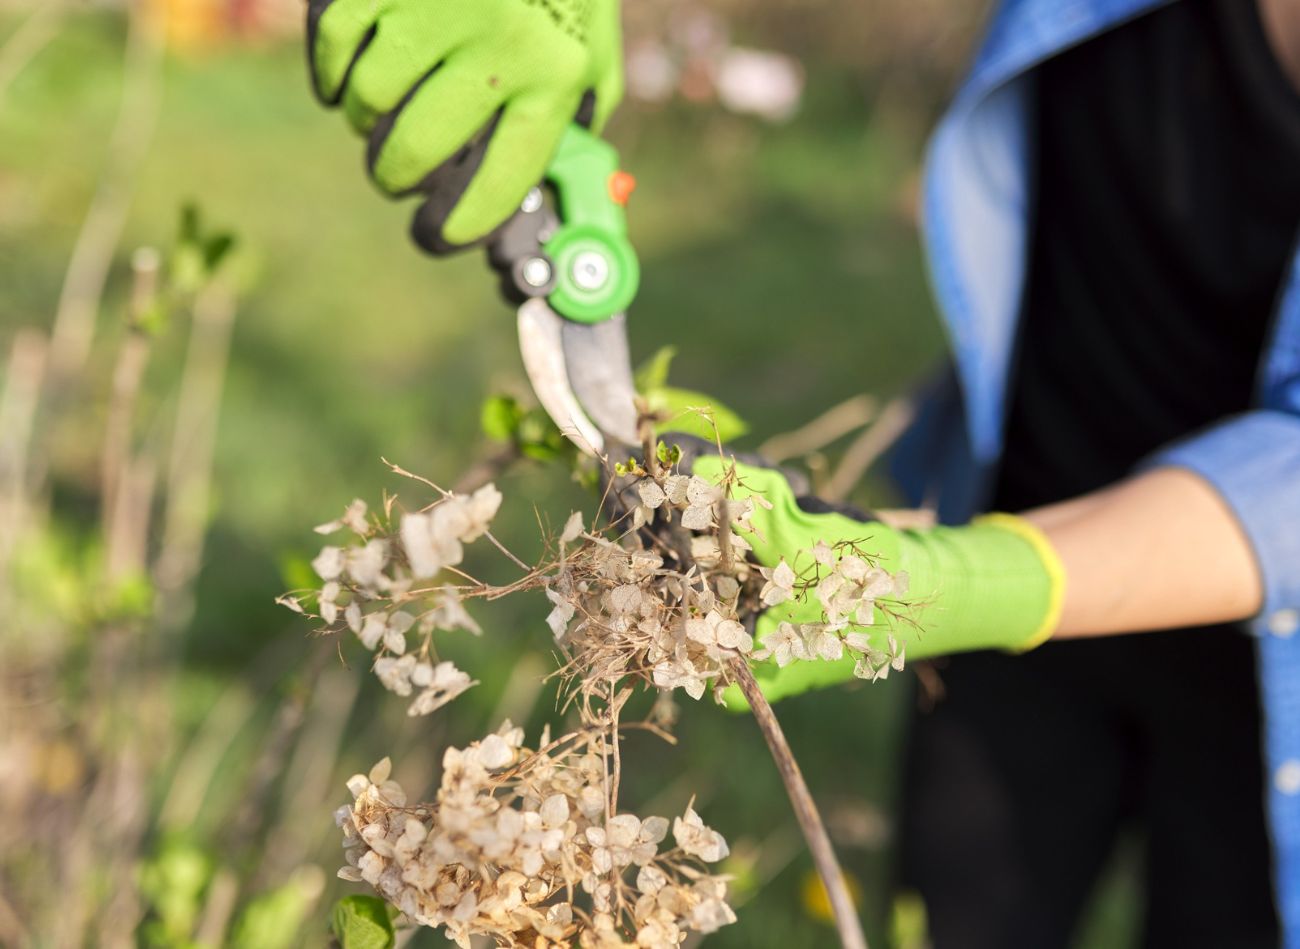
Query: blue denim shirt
{"x": 976, "y": 218}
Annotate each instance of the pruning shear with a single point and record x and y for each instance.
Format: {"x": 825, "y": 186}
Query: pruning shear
{"x": 573, "y": 271}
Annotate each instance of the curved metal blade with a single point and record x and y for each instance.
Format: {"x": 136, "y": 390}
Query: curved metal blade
{"x": 541, "y": 344}
{"x": 600, "y": 372}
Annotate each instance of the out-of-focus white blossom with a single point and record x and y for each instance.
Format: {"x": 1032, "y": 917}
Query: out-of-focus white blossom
{"x": 365, "y": 564}
{"x": 760, "y": 82}
{"x": 354, "y": 518}
{"x": 435, "y": 539}
{"x": 447, "y": 612}
{"x": 368, "y": 585}
{"x": 328, "y": 564}
{"x": 651, "y": 72}
{"x": 440, "y": 684}
{"x": 291, "y": 602}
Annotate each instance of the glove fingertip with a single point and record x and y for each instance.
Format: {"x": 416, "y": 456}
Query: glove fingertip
{"x": 428, "y": 229}
{"x": 463, "y": 228}
{"x": 360, "y": 117}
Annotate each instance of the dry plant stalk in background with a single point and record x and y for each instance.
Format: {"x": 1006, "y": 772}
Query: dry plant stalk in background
{"x": 527, "y": 845}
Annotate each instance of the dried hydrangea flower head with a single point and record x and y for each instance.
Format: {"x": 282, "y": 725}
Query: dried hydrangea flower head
{"x": 529, "y": 846}
{"x": 372, "y": 586}
{"x": 520, "y": 847}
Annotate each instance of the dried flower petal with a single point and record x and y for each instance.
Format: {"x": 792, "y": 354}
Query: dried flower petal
{"x": 650, "y": 493}
{"x": 372, "y": 630}
{"x": 559, "y": 617}
{"x": 572, "y": 528}
{"x": 328, "y": 564}
{"x": 698, "y": 840}
{"x": 779, "y": 586}
{"x": 365, "y": 564}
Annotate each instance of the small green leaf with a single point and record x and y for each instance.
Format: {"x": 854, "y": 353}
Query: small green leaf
{"x": 501, "y": 417}
{"x": 172, "y": 883}
{"x": 363, "y": 922}
{"x": 216, "y": 248}
{"x": 653, "y": 373}
{"x": 199, "y": 252}
{"x": 693, "y": 413}
{"x": 668, "y": 455}
{"x": 536, "y": 427}
{"x": 539, "y": 451}
{"x": 539, "y": 439}
{"x": 190, "y": 227}
{"x": 153, "y": 320}
{"x": 130, "y": 597}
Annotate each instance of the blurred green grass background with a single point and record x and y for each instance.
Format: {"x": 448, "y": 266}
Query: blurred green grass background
{"x": 781, "y": 260}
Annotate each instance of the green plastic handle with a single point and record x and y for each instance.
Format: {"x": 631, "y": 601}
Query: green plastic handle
{"x": 597, "y": 271}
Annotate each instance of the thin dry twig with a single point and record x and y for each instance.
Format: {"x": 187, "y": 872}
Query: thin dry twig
{"x": 83, "y": 286}
{"x": 487, "y": 469}
{"x": 127, "y": 482}
{"x": 834, "y": 423}
{"x": 867, "y": 447}
{"x": 19, "y": 399}
{"x": 189, "y": 472}
{"x": 28, "y": 40}
{"x": 128, "y": 371}
{"x": 805, "y": 810}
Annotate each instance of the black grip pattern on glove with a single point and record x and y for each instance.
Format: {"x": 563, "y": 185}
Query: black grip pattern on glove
{"x": 811, "y": 504}
{"x": 571, "y": 16}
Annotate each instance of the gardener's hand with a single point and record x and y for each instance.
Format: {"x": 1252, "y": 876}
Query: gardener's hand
{"x": 422, "y": 78}
{"x": 993, "y": 584}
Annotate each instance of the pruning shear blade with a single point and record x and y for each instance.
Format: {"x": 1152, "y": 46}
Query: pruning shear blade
{"x": 600, "y": 372}
{"x": 558, "y": 353}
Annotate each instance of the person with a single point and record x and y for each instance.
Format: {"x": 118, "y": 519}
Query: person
{"x": 1110, "y": 212}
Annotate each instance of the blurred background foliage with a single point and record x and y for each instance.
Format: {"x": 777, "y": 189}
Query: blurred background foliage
{"x": 211, "y": 329}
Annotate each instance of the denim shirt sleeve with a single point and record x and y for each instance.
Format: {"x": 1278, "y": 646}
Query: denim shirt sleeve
{"x": 1253, "y": 461}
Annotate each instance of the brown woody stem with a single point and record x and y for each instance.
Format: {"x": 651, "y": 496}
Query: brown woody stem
{"x": 805, "y": 810}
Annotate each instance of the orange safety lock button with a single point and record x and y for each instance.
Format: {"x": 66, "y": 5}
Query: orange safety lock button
{"x": 621, "y": 186}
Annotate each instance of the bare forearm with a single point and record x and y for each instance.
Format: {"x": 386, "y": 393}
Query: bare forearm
{"x": 1158, "y": 551}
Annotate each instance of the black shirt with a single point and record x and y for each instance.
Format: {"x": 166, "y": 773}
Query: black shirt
{"x": 1167, "y": 199}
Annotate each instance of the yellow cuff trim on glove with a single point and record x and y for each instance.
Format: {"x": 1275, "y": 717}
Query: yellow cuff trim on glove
{"x": 1036, "y": 539}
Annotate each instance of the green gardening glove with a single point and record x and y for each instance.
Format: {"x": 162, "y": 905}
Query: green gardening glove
{"x": 995, "y": 584}
{"x": 422, "y": 79}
